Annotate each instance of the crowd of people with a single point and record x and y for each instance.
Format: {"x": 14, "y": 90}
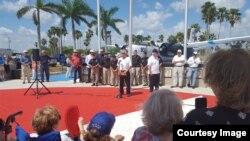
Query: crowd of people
{"x": 163, "y": 109}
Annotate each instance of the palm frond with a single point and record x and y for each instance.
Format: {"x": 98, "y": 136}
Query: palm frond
{"x": 20, "y": 13}
{"x": 115, "y": 28}
{"x": 34, "y": 17}
{"x": 85, "y": 21}
{"x": 113, "y": 10}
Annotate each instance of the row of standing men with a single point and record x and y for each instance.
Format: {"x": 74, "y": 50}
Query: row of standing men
{"x": 129, "y": 71}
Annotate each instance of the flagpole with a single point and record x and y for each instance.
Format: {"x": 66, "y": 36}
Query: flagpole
{"x": 130, "y": 27}
{"x": 98, "y": 26}
{"x": 186, "y": 26}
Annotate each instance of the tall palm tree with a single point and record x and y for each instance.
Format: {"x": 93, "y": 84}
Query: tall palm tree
{"x": 179, "y": 37}
{"x": 172, "y": 39}
{"x": 75, "y": 10}
{"x": 78, "y": 35}
{"x": 37, "y": 7}
{"x": 196, "y": 28}
{"x": 125, "y": 39}
{"x": 233, "y": 16}
{"x": 208, "y": 15}
{"x": 161, "y": 38}
{"x": 221, "y": 15}
{"x": 107, "y": 20}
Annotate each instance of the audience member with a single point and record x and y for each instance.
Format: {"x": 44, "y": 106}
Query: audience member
{"x": 99, "y": 128}
{"x": 227, "y": 73}
{"x": 160, "y": 112}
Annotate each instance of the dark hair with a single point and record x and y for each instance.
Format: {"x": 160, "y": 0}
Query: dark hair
{"x": 228, "y": 74}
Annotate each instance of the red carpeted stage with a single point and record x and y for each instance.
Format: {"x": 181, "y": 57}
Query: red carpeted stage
{"x": 89, "y": 101}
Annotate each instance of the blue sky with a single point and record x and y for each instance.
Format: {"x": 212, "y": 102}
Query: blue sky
{"x": 151, "y": 17}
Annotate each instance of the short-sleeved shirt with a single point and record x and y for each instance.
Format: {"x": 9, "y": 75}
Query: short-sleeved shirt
{"x": 144, "y": 61}
{"x": 44, "y": 60}
{"x": 179, "y": 58}
{"x": 105, "y": 62}
{"x": 216, "y": 115}
{"x": 113, "y": 64}
{"x": 124, "y": 63}
{"x": 93, "y": 62}
{"x": 136, "y": 61}
{"x": 26, "y": 59}
{"x": 2, "y": 60}
{"x": 88, "y": 58}
{"x": 154, "y": 64}
{"x": 193, "y": 62}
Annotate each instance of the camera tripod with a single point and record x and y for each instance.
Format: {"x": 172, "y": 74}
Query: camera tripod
{"x": 37, "y": 91}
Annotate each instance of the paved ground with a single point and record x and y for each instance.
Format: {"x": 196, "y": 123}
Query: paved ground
{"x": 127, "y": 123}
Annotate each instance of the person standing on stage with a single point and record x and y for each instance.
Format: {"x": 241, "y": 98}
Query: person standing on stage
{"x": 2, "y": 70}
{"x": 100, "y": 57}
{"x": 179, "y": 62}
{"x": 144, "y": 69}
{"x": 105, "y": 64}
{"x": 76, "y": 62}
{"x": 44, "y": 65}
{"x": 154, "y": 71}
{"x": 95, "y": 67}
{"x": 114, "y": 71}
{"x": 26, "y": 70}
{"x": 124, "y": 65}
{"x": 193, "y": 63}
{"x": 136, "y": 64}
{"x": 88, "y": 58}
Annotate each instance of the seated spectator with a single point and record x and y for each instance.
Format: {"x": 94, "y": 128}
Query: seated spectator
{"x": 160, "y": 112}
{"x": 46, "y": 120}
{"x": 227, "y": 73}
{"x": 99, "y": 128}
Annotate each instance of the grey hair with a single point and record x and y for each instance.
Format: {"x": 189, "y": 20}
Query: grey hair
{"x": 161, "y": 111}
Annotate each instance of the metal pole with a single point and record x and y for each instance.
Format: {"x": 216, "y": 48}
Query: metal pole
{"x": 130, "y": 27}
{"x": 98, "y": 26}
{"x": 9, "y": 42}
{"x": 186, "y": 26}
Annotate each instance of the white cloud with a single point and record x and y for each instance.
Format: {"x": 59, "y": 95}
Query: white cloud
{"x": 180, "y": 5}
{"x": 158, "y": 6}
{"x": 152, "y": 21}
{"x": 4, "y": 31}
{"x": 12, "y": 6}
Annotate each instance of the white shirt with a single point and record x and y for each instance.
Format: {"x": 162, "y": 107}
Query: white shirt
{"x": 154, "y": 65}
{"x": 87, "y": 59}
{"x": 179, "y": 58}
{"x": 124, "y": 63}
{"x": 194, "y": 62}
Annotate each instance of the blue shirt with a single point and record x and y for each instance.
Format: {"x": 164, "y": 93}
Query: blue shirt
{"x": 44, "y": 60}
{"x": 2, "y": 60}
{"x": 26, "y": 59}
